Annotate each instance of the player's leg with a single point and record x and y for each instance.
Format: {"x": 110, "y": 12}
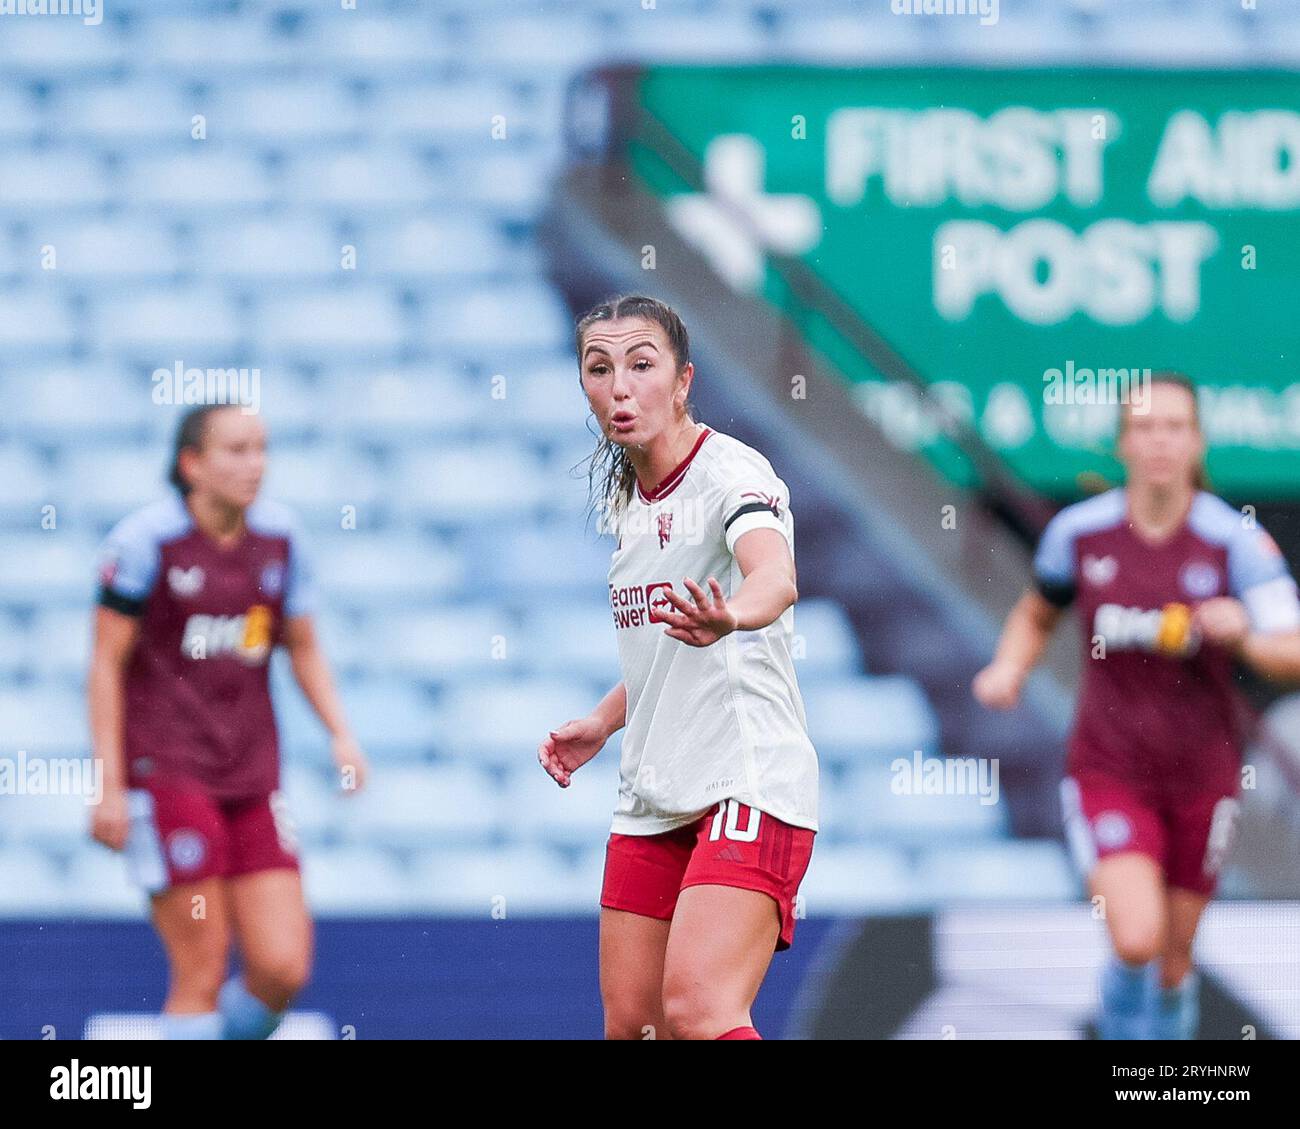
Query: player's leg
{"x": 176, "y": 850}
{"x": 1201, "y": 832}
{"x": 632, "y": 950}
{"x": 737, "y": 906}
{"x": 192, "y": 922}
{"x": 1131, "y": 888}
{"x": 272, "y": 926}
{"x": 274, "y": 933}
{"x": 719, "y": 949}
{"x": 1177, "y": 1009}
{"x": 643, "y": 874}
{"x": 1118, "y": 842}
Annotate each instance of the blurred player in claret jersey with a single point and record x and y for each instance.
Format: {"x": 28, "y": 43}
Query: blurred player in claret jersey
{"x": 1173, "y": 585}
{"x": 717, "y": 802}
{"x": 195, "y": 591}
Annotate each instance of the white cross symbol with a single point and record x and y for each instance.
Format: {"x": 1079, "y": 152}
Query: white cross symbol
{"x": 788, "y": 224}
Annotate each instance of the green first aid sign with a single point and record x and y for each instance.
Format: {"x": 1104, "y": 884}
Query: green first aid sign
{"x": 1032, "y": 242}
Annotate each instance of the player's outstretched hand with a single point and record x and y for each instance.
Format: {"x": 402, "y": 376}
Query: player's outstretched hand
{"x": 109, "y": 822}
{"x": 1224, "y": 621}
{"x": 702, "y": 621}
{"x": 997, "y": 686}
{"x": 350, "y": 762}
{"x": 570, "y": 746}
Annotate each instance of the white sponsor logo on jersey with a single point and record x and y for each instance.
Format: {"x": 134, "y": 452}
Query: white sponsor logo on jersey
{"x": 1099, "y": 571}
{"x": 185, "y": 582}
{"x": 1164, "y": 631}
{"x": 635, "y": 605}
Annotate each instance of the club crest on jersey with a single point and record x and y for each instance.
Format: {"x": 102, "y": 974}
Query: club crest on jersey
{"x": 1099, "y": 571}
{"x": 1199, "y": 579}
{"x": 1112, "y": 829}
{"x": 246, "y": 637}
{"x": 637, "y": 604}
{"x": 186, "y": 849}
{"x": 272, "y": 581}
{"x": 185, "y": 582}
{"x": 665, "y": 521}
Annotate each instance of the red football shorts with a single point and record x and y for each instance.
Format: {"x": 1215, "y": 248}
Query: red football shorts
{"x": 1189, "y": 836}
{"x": 733, "y": 845}
{"x": 181, "y": 834}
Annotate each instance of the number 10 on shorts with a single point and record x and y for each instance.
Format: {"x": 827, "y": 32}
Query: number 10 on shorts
{"x": 730, "y": 809}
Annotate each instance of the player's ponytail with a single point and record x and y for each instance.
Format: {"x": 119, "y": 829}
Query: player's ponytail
{"x": 611, "y": 477}
{"x": 1200, "y": 477}
{"x": 189, "y": 435}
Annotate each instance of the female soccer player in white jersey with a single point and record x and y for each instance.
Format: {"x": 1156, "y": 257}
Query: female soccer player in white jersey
{"x": 195, "y": 591}
{"x": 1173, "y": 585}
{"x": 717, "y": 802}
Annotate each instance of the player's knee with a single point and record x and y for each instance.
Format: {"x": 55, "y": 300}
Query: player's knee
{"x": 692, "y": 1014}
{"x": 198, "y": 971}
{"x": 1137, "y": 942}
{"x": 631, "y": 1025}
{"x": 277, "y": 979}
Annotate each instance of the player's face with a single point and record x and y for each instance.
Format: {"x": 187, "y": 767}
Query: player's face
{"x": 630, "y": 376}
{"x": 230, "y": 463}
{"x": 1163, "y": 446}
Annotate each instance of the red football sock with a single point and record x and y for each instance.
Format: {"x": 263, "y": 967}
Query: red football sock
{"x": 739, "y": 1033}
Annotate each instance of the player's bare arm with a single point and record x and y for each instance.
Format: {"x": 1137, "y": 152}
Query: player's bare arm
{"x": 115, "y": 637}
{"x": 1027, "y": 632}
{"x": 571, "y": 745}
{"x": 312, "y": 673}
{"x": 1225, "y": 622}
{"x": 767, "y": 590}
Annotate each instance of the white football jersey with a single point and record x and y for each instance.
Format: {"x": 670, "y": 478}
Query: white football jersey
{"x": 705, "y": 724}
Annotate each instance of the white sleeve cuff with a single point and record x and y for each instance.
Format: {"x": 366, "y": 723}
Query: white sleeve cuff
{"x": 759, "y": 519}
{"x": 1273, "y": 606}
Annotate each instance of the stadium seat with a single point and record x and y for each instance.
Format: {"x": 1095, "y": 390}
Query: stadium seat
{"x": 359, "y": 569}
{"x": 464, "y": 484}
{"x": 500, "y": 884}
{"x": 103, "y": 885}
{"x": 869, "y": 718}
{"x": 887, "y": 801}
{"x": 858, "y": 879}
{"x": 478, "y": 727}
{"x": 412, "y": 807}
{"x": 577, "y": 816}
{"x": 1025, "y": 870}
{"x": 454, "y": 643}
{"x": 352, "y": 880}
{"x": 31, "y": 885}
{"x": 577, "y": 637}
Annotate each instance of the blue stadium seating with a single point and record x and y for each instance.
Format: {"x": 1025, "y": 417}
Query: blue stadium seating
{"x": 462, "y": 593}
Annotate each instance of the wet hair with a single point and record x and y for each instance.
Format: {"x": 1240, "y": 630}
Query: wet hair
{"x": 189, "y": 435}
{"x": 1200, "y": 478}
{"x": 611, "y": 476}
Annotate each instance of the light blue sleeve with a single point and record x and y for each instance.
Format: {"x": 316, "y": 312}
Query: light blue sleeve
{"x": 128, "y": 562}
{"x": 1253, "y": 558}
{"x": 1054, "y": 558}
{"x": 1054, "y": 566}
{"x": 1258, "y": 576}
